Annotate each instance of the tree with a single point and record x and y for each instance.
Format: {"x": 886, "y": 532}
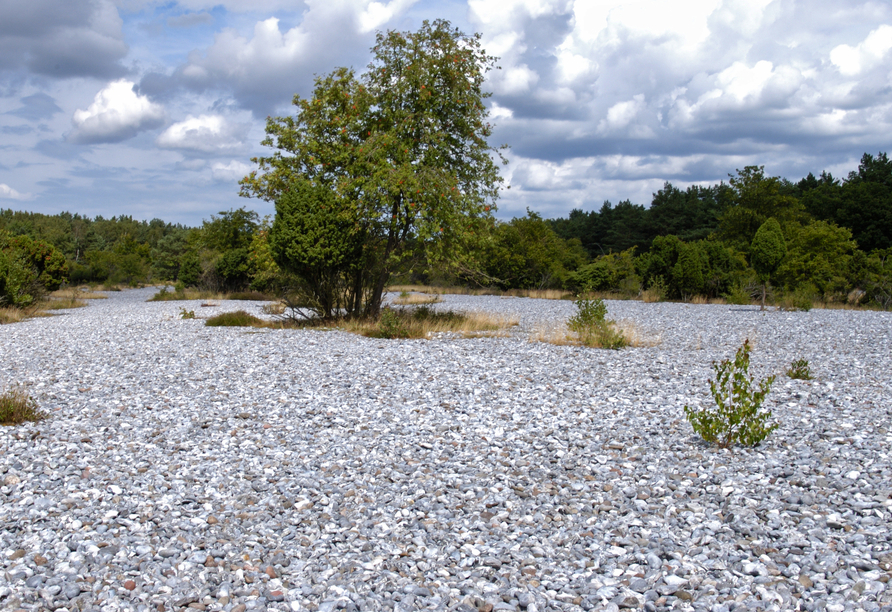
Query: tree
{"x": 754, "y": 198}
{"x": 767, "y": 252}
{"x": 403, "y": 149}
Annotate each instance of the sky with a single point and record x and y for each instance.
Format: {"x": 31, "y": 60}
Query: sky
{"x": 153, "y": 109}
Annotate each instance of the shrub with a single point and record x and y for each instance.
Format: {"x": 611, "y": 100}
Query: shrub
{"x": 239, "y": 318}
{"x": 16, "y": 407}
{"x": 592, "y": 325}
{"x": 187, "y": 314}
{"x": 800, "y": 370}
{"x": 391, "y": 325}
{"x": 737, "y": 417}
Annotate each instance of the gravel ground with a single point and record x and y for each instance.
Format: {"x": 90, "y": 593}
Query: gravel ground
{"x": 233, "y": 469}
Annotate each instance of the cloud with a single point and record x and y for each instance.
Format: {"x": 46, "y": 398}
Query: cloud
{"x": 231, "y": 172}
{"x": 117, "y": 113}
{"x": 263, "y": 71}
{"x": 851, "y": 61}
{"x": 190, "y": 20}
{"x": 36, "y": 106}
{"x": 7, "y": 192}
{"x": 62, "y": 38}
{"x": 205, "y": 134}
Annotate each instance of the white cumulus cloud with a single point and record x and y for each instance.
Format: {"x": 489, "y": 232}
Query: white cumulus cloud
{"x": 233, "y": 171}
{"x": 9, "y": 193}
{"x": 205, "y": 133}
{"x": 117, "y": 113}
{"x": 853, "y": 60}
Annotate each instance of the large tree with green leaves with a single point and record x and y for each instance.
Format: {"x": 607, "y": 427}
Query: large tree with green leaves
{"x": 403, "y": 149}
{"x": 767, "y": 252}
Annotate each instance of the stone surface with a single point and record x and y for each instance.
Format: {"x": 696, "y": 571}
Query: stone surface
{"x": 186, "y": 467}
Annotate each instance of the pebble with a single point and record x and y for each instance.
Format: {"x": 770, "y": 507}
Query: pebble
{"x": 246, "y": 469}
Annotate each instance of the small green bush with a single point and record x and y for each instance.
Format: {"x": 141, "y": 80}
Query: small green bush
{"x": 800, "y": 370}
{"x": 391, "y": 325}
{"x": 239, "y": 318}
{"x": 187, "y": 314}
{"x": 16, "y": 407}
{"x": 737, "y": 417}
{"x": 592, "y": 325}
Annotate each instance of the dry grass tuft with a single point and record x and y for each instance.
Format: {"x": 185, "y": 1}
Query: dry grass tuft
{"x": 413, "y": 299}
{"x": 424, "y": 322}
{"x": 12, "y": 315}
{"x": 560, "y": 335}
{"x": 63, "y": 304}
{"x": 635, "y": 336}
{"x": 165, "y": 295}
{"x": 16, "y": 407}
{"x": 77, "y": 293}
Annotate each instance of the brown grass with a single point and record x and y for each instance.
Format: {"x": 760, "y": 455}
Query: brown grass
{"x": 560, "y": 335}
{"x": 187, "y": 295}
{"x": 12, "y": 315}
{"x": 62, "y": 304}
{"x": 77, "y": 293}
{"x": 542, "y": 294}
{"x": 413, "y": 299}
{"x": 411, "y": 324}
{"x": 16, "y": 407}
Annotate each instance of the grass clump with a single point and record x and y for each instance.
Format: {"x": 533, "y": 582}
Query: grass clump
{"x": 239, "y": 318}
{"x": 738, "y": 417}
{"x": 16, "y": 407}
{"x": 423, "y": 321}
{"x": 187, "y": 314}
{"x": 406, "y": 298}
{"x": 800, "y": 370}
{"x": 591, "y": 324}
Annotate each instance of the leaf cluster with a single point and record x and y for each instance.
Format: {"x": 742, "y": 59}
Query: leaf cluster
{"x": 737, "y": 417}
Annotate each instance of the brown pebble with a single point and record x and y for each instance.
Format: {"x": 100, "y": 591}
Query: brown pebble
{"x": 39, "y": 560}
{"x": 684, "y": 595}
{"x": 223, "y": 600}
{"x": 17, "y": 554}
{"x": 240, "y": 608}
{"x": 129, "y": 585}
{"x": 212, "y": 520}
{"x": 271, "y": 571}
{"x": 209, "y": 562}
{"x": 806, "y": 581}
{"x": 197, "y": 606}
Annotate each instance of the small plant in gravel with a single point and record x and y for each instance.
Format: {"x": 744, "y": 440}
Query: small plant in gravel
{"x": 738, "y": 417}
{"x": 800, "y": 370}
{"x": 592, "y": 325}
{"x": 16, "y": 407}
{"x": 187, "y": 314}
{"x": 239, "y": 318}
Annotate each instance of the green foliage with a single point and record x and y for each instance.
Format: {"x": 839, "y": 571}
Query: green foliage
{"x": 592, "y": 325}
{"x": 737, "y": 417}
{"x": 28, "y": 268}
{"x": 403, "y": 151}
{"x": 239, "y": 318}
{"x": 767, "y": 252}
{"x": 321, "y": 244}
{"x": 527, "y": 254}
{"x": 754, "y": 198}
{"x": 688, "y": 271}
{"x": 16, "y": 407}
{"x": 391, "y": 325}
{"x": 800, "y": 370}
{"x": 878, "y": 282}
{"x": 187, "y": 314}
{"x": 819, "y": 258}
{"x": 613, "y": 272}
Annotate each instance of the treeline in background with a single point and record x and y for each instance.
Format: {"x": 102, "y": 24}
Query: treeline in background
{"x": 692, "y": 244}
